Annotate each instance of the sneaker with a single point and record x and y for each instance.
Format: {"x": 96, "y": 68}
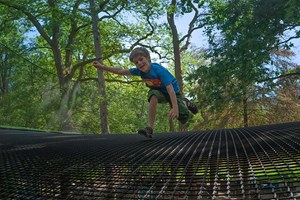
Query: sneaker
{"x": 191, "y": 106}
{"x": 147, "y": 132}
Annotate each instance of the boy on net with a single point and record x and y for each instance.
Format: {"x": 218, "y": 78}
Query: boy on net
{"x": 162, "y": 84}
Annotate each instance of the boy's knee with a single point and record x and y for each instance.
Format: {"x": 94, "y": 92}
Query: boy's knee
{"x": 156, "y": 94}
{"x": 153, "y": 98}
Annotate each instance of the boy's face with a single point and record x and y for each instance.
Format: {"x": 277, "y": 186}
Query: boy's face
{"x": 142, "y": 63}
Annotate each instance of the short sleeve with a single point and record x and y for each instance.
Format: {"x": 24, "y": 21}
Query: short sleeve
{"x": 165, "y": 76}
{"x": 135, "y": 72}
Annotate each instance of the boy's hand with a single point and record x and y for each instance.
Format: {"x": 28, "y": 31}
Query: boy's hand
{"x": 173, "y": 114}
{"x": 98, "y": 65}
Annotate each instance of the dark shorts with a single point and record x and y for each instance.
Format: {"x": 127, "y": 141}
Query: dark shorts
{"x": 184, "y": 113}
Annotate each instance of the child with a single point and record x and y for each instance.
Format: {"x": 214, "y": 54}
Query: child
{"x": 163, "y": 87}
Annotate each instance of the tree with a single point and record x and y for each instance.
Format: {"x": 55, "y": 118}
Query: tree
{"x": 15, "y": 81}
{"x": 181, "y": 44}
{"x": 50, "y": 20}
{"x": 98, "y": 53}
{"x": 242, "y": 37}
{"x": 64, "y": 28}
{"x": 145, "y": 11}
{"x": 9, "y": 35}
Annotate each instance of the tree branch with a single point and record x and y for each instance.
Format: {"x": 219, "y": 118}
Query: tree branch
{"x": 111, "y": 80}
{"x": 192, "y": 27}
{"x": 72, "y": 35}
{"x": 280, "y": 76}
{"x": 147, "y": 35}
{"x": 32, "y": 18}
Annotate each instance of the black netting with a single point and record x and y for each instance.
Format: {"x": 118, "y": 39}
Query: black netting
{"x": 248, "y": 163}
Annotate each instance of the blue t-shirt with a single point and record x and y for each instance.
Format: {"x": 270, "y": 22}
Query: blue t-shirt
{"x": 157, "y": 78}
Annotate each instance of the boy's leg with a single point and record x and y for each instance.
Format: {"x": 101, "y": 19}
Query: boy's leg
{"x": 154, "y": 97}
{"x": 148, "y": 131}
{"x": 184, "y": 113}
{"x": 152, "y": 110}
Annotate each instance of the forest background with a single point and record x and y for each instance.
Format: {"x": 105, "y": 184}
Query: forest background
{"x": 244, "y": 76}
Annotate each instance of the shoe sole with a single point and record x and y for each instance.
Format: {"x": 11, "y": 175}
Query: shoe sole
{"x": 144, "y": 134}
{"x": 192, "y": 109}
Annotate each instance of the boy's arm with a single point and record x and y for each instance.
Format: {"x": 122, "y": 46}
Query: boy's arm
{"x": 174, "y": 113}
{"x": 114, "y": 70}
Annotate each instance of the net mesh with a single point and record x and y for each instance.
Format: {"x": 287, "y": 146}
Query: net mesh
{"x": 260, "y": 162}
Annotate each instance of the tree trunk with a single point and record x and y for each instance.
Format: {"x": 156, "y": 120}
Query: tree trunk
{"x": 176, "y": 50}
{"x": 245, "y": 109}
{"x": 101, "y": 80}
{"x": 176, "y": 47}
{"x": 65, "y": 112}
{"x": 4, "y": 74}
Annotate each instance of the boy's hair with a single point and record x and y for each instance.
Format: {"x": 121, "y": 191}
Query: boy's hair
{"x": 139, "y": 51}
